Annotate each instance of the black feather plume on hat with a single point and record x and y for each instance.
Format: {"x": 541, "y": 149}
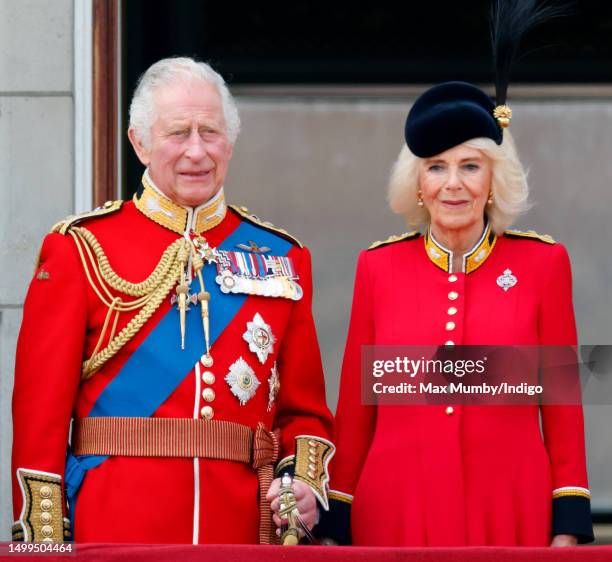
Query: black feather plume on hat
{"x": 510, "y": 21}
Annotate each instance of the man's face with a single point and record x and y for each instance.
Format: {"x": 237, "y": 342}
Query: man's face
{"x": 188, "y": 152}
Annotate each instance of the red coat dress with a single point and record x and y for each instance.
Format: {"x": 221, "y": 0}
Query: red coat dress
{"x": 257, "y": 341}
{"x": 435, "y": 475}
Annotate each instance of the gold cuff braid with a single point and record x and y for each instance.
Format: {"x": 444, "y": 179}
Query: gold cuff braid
{"x": 312, "y": 456}
{"x": 42, "y": 517}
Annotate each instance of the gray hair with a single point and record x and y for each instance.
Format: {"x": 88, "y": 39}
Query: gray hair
{"x": 171, "y": 70}
{"x": 508, "y": 184}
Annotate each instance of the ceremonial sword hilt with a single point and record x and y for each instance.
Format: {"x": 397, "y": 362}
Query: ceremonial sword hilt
{"x": 290, "y": 533}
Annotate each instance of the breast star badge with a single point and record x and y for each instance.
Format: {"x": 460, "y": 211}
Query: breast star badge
{"x": 242, "y": 381}
{"x": 259, "y": 337}
{"x": 507, "y": 280}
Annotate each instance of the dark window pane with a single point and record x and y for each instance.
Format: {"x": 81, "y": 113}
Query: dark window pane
{"x": 340, "y": 42}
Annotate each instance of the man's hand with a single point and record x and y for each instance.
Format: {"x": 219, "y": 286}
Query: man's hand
{"x": 306, "y": 502}
{"x": 564, "y": 540}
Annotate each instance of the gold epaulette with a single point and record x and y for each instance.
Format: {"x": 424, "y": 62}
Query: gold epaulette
{"x": 244, "y": 213}
{"x": 532, "y": 234}
{"x": 65, "y": 225}
{"x": 395, "y": 238}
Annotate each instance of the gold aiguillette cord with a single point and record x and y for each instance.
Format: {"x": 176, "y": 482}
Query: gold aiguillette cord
{"x": 203, "y": 298}
{"x": 182, "y": 289}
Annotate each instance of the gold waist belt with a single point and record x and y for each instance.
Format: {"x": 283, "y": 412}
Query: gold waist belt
{"x": 185, "y": 437}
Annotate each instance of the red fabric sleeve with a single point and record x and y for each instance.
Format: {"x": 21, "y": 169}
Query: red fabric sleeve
{"x": 562, "y": 424}
{"x": 48, "y": 362}
{"x": 354, "y": 422}
{"x": 301, "y": 405}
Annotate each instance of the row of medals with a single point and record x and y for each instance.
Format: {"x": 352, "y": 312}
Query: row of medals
{"x": 270, "y": 286}
{"x": 274, "y": 286}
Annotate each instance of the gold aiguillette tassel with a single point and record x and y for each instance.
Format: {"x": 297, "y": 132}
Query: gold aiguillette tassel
{"x": 182, "y": 290}
{"x": 203, "y": 298}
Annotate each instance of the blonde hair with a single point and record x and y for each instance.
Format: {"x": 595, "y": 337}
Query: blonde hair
{"x": 508, "y": 184}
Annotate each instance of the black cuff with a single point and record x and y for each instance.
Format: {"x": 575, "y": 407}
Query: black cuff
{"x": 335, "y": 524}
{"x": 17, "y": 533}
{"x": 572, "y": 516}
{"x": 285, "y": 466}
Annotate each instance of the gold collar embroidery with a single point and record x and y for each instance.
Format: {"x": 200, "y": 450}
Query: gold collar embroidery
{"x": 472, "y": 260}
{"x": 163, "y": 211}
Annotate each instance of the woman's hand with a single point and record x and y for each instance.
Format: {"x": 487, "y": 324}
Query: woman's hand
{"x": 564, "y": 540}
{"x": 305, "y": 498}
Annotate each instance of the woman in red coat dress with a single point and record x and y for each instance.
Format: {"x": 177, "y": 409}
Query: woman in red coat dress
{"x": 442, "y": 475}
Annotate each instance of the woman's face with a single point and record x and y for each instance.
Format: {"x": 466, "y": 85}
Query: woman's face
{"x": 455, "y": 186}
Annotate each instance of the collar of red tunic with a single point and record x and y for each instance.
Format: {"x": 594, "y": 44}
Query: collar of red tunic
{"x": 162, "y": 210}
{"x": 472, "y": 260}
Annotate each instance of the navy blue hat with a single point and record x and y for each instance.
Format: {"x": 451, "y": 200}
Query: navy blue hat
{"x": 447, "y": 115}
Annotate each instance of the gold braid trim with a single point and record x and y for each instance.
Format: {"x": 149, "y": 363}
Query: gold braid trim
{"x": 133, "y": 327}
{"x": 244, "y": 213}
{"x": 312, "y": 456}
{"x": 151, "y": 292}
{"x": 395, "y": 238}
{"x": 42, "y": 517}
{"x": 108, "y": 273}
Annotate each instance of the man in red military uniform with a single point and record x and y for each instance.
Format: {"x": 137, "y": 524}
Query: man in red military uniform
{"x": 175, "y": 333}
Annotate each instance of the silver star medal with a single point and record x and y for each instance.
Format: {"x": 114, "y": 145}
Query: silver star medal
{"x": 227, "y": 281}
{"x": 210, "y": 255}
{"x": 274, "y": 383}
{"x": 191, "y": 298}
{"x": 259, "y": 337}
{"x": 242, "y": 381}
{"x": 507, "y": 280}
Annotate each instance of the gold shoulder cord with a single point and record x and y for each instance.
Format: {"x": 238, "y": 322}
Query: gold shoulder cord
{"x": 148, "y": 294}
{"x": 244, "y": 213}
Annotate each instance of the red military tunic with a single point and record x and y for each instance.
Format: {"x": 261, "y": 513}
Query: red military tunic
{"x": 435, "y": 475}
{"x": 154, "y": 499}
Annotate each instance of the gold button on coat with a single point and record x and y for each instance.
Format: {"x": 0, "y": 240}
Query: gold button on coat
{"x": 208, "y": 377}
{"x": 208, "y": 394}
{"x": 452, "y": 278}
{"x": 46, "y": 530}
{"x": 46, "y": 505}
{"x": 453, "y": 295}
{"x": 207, "y": 412}
{"x": 449, "y": 410}
{"x": 450, "y": 326}
{"x": 46, "y": 492}
{"x": 452, "y": 311}
{"x": 449, "y": 343}
{"x": 45, "y": 518}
